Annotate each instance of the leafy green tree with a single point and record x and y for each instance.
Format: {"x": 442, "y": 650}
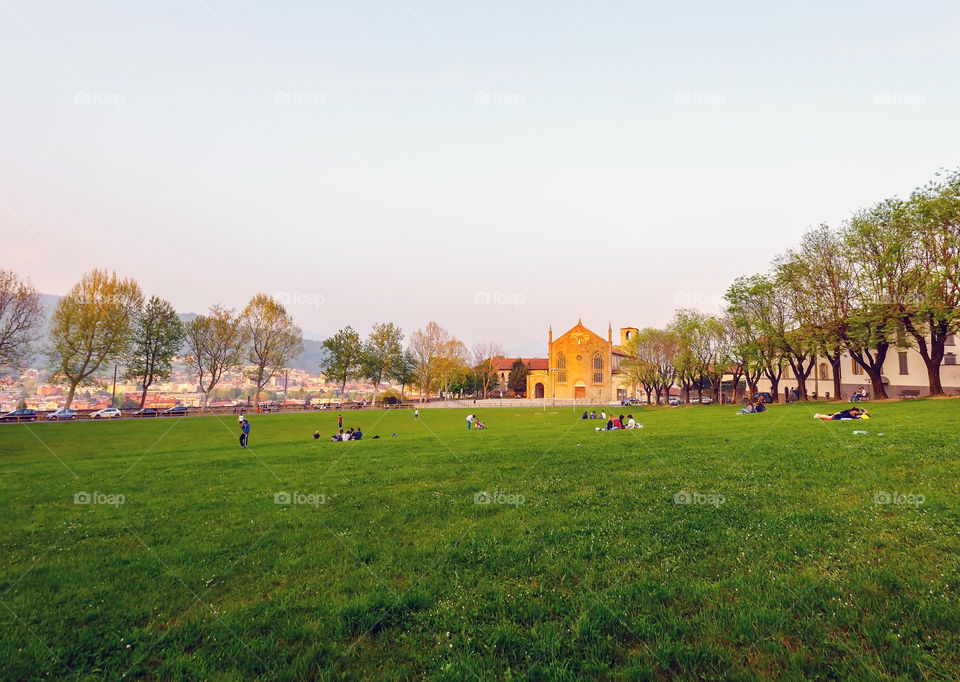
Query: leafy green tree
{"x": 91, "y": 327}
{"x": 20, "y": 319}
{"x": 428, "y": 346}
{"x": 343, "y": 360}
{"x": 758, "y": 313}
{"x": 157, "y": 336}
{"x": 932, "y": 310}
{"x": 381, "y": 352}
{"x": 517, "y": 379}
{"x": 404, "y": 371}
{"x": 876, "y": 240}
{"x": 215, "y": 345}
{"x": 273, "y": 338}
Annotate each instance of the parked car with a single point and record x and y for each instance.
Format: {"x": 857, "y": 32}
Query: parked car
{"x": 674, "y": 401}
{"x": 145, "y": 412}
{"x": 707, "y": 400}
{"x": 177, "y": 411}
{"x": 19, "y": 416}
{"x": 62, "y": 413}
{"x": 631, "y": 401}
{"x": 767, "y": 398}
{"x": 106, "y": 413}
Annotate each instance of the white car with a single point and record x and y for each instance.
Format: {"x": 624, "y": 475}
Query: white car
{"x": 106, "y": 413}
{"x": 62, "y": 413}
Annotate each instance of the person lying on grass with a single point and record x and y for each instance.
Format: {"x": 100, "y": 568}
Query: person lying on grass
{"x": 852, "y": 413}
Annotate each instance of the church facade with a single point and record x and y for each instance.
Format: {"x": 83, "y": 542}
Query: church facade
{"x": 581, "y": 365}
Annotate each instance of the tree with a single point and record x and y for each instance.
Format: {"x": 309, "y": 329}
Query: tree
{"x": 822, "y": 293}
{"x": 452, "y": 364}
{"x": 273, "y": 337}
{"x": 517, "y": 379}
{"x": 404, "y": 371}
{"x": 157, "y": 336}
{"x": 91, "y": 327}
{"x": 343, "y": 358}
{"x": 932, "y": 308}
{"x": 875, "y": 240}
{"x": 20, "y": 318}
{"x": 427, "y": 346}
{"x": 759, "y": 312}
{"x": 381, "y": 352}
{"x": 486, "y": 357}
{"x": 215, "y": 345}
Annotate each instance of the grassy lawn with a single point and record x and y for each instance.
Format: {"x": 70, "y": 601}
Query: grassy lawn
{"x": 585, "y": 562}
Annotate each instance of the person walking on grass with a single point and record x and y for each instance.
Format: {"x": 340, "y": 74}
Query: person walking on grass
{"x": 416, "y": 413}
{"x": 244, "y": 432}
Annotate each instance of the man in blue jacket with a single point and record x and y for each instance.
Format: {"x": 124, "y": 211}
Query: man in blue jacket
{"x": 245, "y": 432}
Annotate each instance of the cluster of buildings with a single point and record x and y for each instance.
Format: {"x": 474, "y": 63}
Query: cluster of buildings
{"x": 583, "y": 365}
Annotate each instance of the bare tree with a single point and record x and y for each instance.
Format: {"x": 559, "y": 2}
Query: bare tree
{"x": 273, "y": 337}
{"x": 215, "y": 343}
{"x": 486, "y": 357}
{"x": 20, "y": 318}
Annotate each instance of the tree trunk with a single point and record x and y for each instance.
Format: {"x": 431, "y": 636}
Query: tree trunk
{"x": 143, "y": 396}
{"x": 837, "y": 379}
{"x": 933, "y": 354}
{"x": 70, "y": 392}
{"x": 873, "y": 366}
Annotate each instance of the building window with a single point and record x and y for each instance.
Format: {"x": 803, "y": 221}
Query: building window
{"x": 857, "y": 369}
{"x": 904, "y": 369}
{"x": 597, "y": 369}
{"x": 951, "y": 340}
{"x": 561, "y": 369}
{"x": 824, "y": 371}
{"x": 950, "y": 359}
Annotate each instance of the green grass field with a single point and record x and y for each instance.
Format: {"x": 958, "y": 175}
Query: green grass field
{"x": 706, "y": 545}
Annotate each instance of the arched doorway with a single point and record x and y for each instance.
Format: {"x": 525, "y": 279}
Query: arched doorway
{"x": 538, "y": 391}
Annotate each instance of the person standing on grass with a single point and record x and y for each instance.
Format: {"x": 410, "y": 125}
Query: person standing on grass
{"x": 416, "y": 413}
{"x": 470, "y": 418}
{"x": 244, "y": 432}
{"x": 340, "y": 421}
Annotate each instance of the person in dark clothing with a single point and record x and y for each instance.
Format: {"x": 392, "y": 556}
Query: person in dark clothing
{"x": 852, "y": 413}
{"x": 244, "y": 432}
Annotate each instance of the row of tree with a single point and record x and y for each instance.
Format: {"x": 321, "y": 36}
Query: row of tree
{"x": 105, "y": 320}
{"x": 887, "y": 278}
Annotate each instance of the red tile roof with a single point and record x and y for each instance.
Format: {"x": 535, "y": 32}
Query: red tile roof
{"x": 532, "y": 363}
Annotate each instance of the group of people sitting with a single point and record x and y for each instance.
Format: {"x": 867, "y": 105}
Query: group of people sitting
{"x": 341, "y": 436}
{"x": 616, "y": 423}
{"x": 593, "y": 414}
{"x": 858, "y": 395}
{"x": 753, "y": 406}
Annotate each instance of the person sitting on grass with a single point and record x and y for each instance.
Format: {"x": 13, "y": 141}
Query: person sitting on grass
{"x": 852, "y": 413}
{"x": 357, "y": 434}
{"x": 480, "y": 425}
{"x": 593, "y": 414}
{"x": 617, "y": 424}
{"x": 316, "y": 435}
{"x": 760, "y": 407}
{"x": 585, "y": 415}
{"x": 631, "y": 424}
{"x": 748, "y": 408}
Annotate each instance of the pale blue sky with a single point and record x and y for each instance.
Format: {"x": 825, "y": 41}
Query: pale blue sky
{"x": 403, "y": 160}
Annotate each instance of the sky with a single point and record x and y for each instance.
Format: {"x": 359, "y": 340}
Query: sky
{"x": 497, "y": 167}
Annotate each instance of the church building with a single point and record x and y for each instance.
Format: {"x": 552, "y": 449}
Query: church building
{"x": 581, "y": 365}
